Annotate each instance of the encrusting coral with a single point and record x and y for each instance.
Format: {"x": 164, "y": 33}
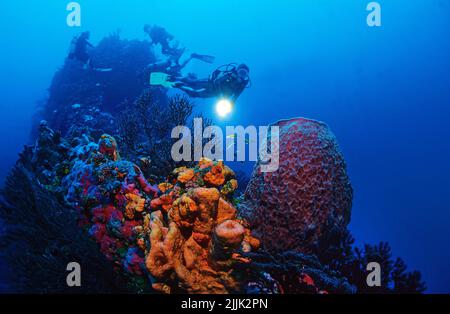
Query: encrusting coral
{"x": 111, "y": 196}
{"x": 185, "y": 234}
{"x": 195, "y": 235}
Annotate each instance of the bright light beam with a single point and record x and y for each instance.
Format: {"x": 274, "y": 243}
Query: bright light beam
{"x": 224, "y": 107}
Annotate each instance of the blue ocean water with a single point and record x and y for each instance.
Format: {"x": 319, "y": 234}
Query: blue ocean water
{"x": 385, "y": 92}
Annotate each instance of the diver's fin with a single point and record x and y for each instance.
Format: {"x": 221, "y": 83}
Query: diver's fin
{"x": 204, "y": 58}
{"x": 160, "y": 79}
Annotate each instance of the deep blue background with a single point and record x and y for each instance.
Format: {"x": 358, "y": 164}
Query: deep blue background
{"x": 385, "y": 92}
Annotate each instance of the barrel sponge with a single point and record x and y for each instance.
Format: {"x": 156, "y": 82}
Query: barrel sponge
{"x": 291, "y": 208}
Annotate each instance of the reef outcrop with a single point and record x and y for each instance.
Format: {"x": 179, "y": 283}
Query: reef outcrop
{"x": 184, "y": 233}
{"x": 291, "y": 208}
{"x": 196, "y": 237}
{"x": 151, "y": 224}
{"x": 111, "y": 197}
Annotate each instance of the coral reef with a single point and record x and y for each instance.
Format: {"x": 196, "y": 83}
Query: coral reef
{"x": 189, "y": 236}
{"x": 290, "y": 209}
{"x": 110, "y": 196}
{"x": 196, "y": 238}
{"x": 72, "y": 85}
{"x": 139, "y": 222}
{"x": 42, "y": 237}
{"x": 183, "y": 235}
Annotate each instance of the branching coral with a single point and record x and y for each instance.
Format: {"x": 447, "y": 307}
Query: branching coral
{"x": 128, "y": 127}
{"x": 292, "y": 272}
{"x": 149, "y": 122}
{"x": 145, "y": 130}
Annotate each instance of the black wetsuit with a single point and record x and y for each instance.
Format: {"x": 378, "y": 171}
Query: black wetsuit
{"x": 160, "y": 36}
{"x": 80, "y": 50}
{"x": 228, "y": 84}
{"x": 220, "y": 83}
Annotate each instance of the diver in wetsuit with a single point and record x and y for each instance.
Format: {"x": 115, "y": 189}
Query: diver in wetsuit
{"x": 171, "y": 49}
{"x": 226, "y": 81}
{"x": 78, "y": 49}
{"x": 159, "y": 35}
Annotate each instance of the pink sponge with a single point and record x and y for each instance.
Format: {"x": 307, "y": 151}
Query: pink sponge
{"x": 290, "y": 208}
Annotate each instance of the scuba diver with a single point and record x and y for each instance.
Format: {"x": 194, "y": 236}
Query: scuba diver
{"x": 226, "y": 81}
{"x": 78, "y": 51}
{"x": 159, "y": 35}
{"x": 171, "y": 49}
